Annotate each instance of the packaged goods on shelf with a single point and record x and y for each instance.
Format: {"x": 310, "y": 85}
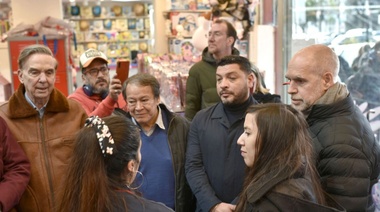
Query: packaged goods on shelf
{"x": 171, "y": 70}
{"x": 119, "y": 29}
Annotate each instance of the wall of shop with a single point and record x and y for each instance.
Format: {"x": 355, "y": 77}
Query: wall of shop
{"x": 30, "y": 12}
{"x": 26, "y": 11}
{"x": 4, "y": 64}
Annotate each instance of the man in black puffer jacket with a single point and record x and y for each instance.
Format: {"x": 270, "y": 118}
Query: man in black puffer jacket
{"x": 348, "y": 156}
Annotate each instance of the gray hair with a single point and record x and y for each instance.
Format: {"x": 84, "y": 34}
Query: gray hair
{"x": 33, "y": 49}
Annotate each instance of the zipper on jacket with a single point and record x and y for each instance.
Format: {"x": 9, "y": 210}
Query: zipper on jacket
{"x": 47, "y": 164}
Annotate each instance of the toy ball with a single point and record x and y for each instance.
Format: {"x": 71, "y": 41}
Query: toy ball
{"x": 96, "y": 11}
{"x": 75, "y": 10}
{"x": 107, "y": 24}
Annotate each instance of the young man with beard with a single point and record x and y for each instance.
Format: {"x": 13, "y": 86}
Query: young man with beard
{"x": 348, "y": 155}
{"x": 200, "y": 86}
{"x": 99, "y": 94}
{"x": 214, "y": 165}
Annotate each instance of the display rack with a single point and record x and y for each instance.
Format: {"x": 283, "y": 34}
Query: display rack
{"x": 119, "y": 29}
{"x": 186, "y": 13}
{"x": 186, "y": 18}
{"x": 171, "y": 71}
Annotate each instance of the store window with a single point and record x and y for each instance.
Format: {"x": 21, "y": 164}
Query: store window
{"x": 352, "y": 29}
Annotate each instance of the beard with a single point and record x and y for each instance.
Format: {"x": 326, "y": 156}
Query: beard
{"x": 237, "y": 98}
{"x": 97, "y": 89}
{"x": 101, "y": 90}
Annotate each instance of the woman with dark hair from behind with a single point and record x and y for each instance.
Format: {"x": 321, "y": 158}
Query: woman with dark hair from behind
{"x": 277, "y": 150}
{"x": 103, "y": 167}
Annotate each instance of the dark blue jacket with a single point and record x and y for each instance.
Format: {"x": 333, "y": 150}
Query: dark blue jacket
{"x": 214, "y": 166}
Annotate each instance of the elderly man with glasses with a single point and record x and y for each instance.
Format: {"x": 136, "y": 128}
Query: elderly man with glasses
{"x": 99, "y": 94}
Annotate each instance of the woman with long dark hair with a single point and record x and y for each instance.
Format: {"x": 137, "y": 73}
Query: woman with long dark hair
{"x": 277, "y": 150}
{"x": 103, "y": 167}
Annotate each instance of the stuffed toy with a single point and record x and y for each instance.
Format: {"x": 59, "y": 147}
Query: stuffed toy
{"x": 200, "y": 36}
{"x": 180, "y": 30}
{"x": 241, "y": 10}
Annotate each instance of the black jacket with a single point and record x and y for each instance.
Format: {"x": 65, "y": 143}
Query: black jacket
{"x": 278, "y": 202}
{"x": 348, "y": 154}
{"x": 275, "y": 192}
{"x": 140, "y": 204}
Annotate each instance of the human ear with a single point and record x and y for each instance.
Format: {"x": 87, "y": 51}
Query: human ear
{"x": 83, "y": 78}
{"x": 328, "y": 80}
{"x": 20, "y": 74}
{"x": 251, "y": 80}
{"x": 131, "y": 166}
{"x": 230, "y": 40}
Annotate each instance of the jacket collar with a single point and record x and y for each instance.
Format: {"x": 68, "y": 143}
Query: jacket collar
{"x": 20, "y": 108}
{"x": 334, "y": 94}
{"x": 207, "y": 56}
{"x": 219, "y": 112}
{"x": 321, "y": 112}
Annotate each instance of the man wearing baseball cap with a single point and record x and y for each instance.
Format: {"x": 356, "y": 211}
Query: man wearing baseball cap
{"x": 99, "y": 94}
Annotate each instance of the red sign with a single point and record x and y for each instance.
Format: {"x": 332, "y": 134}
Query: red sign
{"x": 57, "y": 46}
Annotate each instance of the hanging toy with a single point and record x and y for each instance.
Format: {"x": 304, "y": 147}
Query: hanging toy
{"x": 200, "y": 36}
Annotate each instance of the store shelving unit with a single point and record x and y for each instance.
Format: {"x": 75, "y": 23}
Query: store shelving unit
{"x": 120, "y": 29}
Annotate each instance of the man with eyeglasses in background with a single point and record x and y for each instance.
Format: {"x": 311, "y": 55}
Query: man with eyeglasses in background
{"x": 99, "y": 94}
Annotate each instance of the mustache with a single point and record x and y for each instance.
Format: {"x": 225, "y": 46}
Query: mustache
{"x": 224, "y": 92}
{"x": 100, "y": 80}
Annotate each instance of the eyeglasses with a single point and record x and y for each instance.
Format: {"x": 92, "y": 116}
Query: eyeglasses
{"x": 95, "y": 71}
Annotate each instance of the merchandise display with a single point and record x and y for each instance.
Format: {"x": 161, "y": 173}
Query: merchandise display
{"x": 116, "y": 28}
{"x": 187, "y": 20}
{"x": 184, "y": 4}
{"x": 171, "y": 70}
{"x": 194, "y": 22}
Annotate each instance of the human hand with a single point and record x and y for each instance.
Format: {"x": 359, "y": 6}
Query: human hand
{"x": 115, "y": 88}
{"x": 223, "y": 207}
